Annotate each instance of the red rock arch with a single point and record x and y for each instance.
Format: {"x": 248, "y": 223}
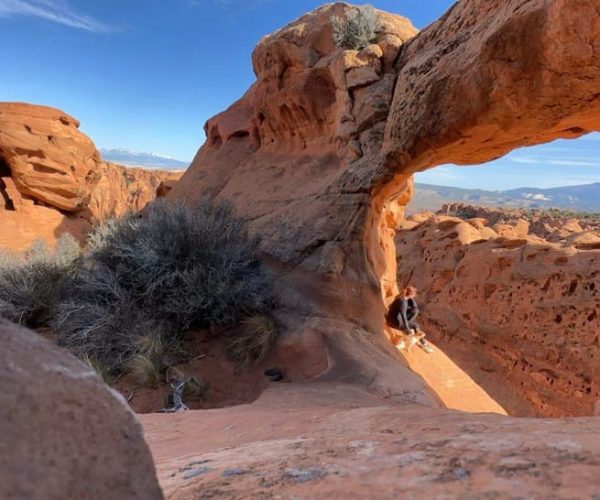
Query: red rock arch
{"x": 489, "y": 76}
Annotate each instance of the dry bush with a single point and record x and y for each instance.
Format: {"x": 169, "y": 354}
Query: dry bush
{"x": 194, "y": 266}
{"x": 195, "y": 389}
{"x": 99, "y": 319}
{"x": 101, "y": 369}
{"x": 252, "y": 343}
{"x": 30, "y": 284}
{"x": 149, "y": 278}
{"x": 357, "y": 29}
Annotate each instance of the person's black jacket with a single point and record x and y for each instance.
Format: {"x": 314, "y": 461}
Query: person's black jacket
{"x": 402, "y": 313}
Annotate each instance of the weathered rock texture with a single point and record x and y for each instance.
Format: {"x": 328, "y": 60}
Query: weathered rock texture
{"x": 554, "y": 226}
{"x": 337, "y": 441}
{"x": 519, "y": 313}
{"x": 319, "y": 152}
{"x": 53, "y": 180}
{"x": 65, "y": 434}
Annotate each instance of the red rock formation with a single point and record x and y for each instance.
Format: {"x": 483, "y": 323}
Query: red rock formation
{"x": 53, "y": 180}
{"x": 65, "y": 434}
{"x": 318, "y": 155}
{"x": 319, "y": 152}
{"x": 338, "y": 441}
{"x": 554, "y": 226}
{"x": 518, "y": 313}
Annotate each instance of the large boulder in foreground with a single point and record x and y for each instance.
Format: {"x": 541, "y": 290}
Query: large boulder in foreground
{"x": 65, "y": 434}
{"x": 53, "y": 180}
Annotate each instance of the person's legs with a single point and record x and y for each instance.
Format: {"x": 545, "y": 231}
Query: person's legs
{"x": 419, "y": 336}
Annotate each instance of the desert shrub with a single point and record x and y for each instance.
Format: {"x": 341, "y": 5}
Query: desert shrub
{"x": 250, "y": 346}
{"x": 30, "y": 284}
{"x": 357, "y": 29}
{"x": 191, "y": 265}
{"x": 195, "y": 388}
{"x": 101, "y": 369}
{"x": 97, "y": 318}
{"x": 149, "y": 277}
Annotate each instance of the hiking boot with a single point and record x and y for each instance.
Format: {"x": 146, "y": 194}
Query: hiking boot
{"x": 426, "y": 346}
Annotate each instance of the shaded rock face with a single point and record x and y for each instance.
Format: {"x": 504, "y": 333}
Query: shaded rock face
{"x": 518, "y": 313}
{"x": 65, "y": 434}
{"x": 319, "y": 153}
{"x": 52, "y": 179}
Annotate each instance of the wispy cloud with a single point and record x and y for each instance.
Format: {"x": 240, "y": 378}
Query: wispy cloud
{"x": 517, "y": 159}
{"x": 548, "y": 160}
{"x": 57, "y": 11}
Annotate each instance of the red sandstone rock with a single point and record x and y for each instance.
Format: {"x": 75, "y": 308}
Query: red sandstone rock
{"x": 337, "y": 441}
{"x": 53, "y": 180}
{"x": 65, "y": 434}
{"x": 323, "y": 172}
{"x": 519, "y": 314}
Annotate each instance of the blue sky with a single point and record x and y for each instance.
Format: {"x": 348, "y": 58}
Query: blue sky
{"x": 146, "y": 74}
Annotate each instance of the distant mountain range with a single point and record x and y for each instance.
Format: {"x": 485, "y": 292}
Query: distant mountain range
{"x": 147, "y": 160}
{"x": 583, "y": 198}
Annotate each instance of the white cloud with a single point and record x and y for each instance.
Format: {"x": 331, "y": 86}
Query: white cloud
{"x": 518, "y": 159}
{"x": 577, "y": 163}
{"x": 57, "y": 11}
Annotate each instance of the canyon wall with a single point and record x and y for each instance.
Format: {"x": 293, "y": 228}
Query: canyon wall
{"x": 53, "y": 180}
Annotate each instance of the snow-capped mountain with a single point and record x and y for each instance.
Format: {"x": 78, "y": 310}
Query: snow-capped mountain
{"x": 138, "y": 159}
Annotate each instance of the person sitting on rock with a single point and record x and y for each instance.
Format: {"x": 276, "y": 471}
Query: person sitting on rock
{"x": 404, "y": 311}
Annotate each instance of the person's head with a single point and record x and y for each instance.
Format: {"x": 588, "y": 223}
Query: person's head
{"x": 410, "y": 292}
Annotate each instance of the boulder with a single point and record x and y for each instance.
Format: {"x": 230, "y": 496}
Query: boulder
{"x": 65, "y": 434}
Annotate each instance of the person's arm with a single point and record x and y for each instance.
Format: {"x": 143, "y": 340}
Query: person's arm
{"x": 402, "y": 319}
{"x": 415, "y": 308}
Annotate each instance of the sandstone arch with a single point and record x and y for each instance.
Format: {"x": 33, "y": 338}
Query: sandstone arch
{"x": 489, "y": 76}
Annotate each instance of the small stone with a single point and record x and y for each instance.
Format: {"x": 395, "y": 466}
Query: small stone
{"x": 460, "y": 473}
{"x": 191, "y": 473}
{"x": 305, "y": 475}
{"x": 236, "y": 471}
